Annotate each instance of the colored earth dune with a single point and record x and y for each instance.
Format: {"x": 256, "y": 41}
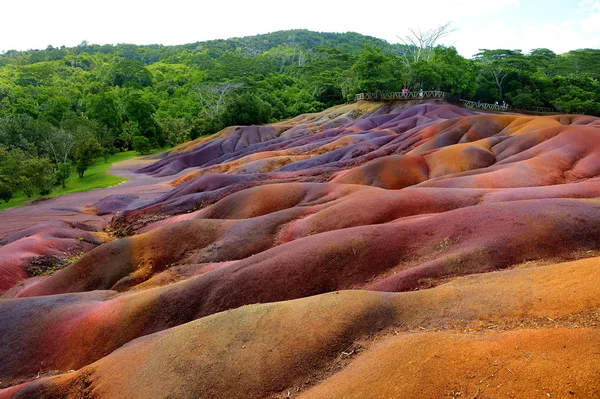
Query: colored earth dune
{"x": 374, "y": 250}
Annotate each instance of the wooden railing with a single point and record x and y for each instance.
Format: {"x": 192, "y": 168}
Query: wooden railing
{"x": 424, "y": 95}
{"x": 403, "y": 96}
{"x": 480, "y": 105}
{"x": 499, "y": 107}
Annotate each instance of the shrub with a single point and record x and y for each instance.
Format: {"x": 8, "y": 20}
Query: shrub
{"x": 63, "y": 174}
{"x": 86, "y": 153}
{"x": 6, "y": 192}
{"x": 40, "y": 172}
{"x": 141, "y": 144}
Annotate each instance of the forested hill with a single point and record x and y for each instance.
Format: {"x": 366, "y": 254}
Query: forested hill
{"x": 72, "y": 104}
{"x": 155, "y": 91}
{"x": 166, "y": 93}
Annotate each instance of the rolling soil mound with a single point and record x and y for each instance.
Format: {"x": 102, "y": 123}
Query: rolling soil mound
{"x": 499, "y": 333}
{"x": 373, "y": 250}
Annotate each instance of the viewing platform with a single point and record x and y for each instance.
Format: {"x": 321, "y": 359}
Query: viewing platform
{"x": 442, "y": 95}
{"x": 425, "y": 95}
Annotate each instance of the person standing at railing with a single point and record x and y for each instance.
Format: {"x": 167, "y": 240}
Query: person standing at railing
{"x": 421, "y": 93}
{"x": 405, "y": 92}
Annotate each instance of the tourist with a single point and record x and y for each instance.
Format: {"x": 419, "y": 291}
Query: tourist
{"x": 421, "y": 93}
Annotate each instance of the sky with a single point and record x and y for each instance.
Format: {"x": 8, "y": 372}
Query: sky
{"x": 560, "y": 25}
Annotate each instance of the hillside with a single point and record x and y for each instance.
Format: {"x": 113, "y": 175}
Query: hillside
{"x": 371, "y": 250}
{"x": 166, "y": 93}
{"x": 63, "y": 108}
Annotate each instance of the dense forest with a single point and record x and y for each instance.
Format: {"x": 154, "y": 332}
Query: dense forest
{"x": 63, "y": 108}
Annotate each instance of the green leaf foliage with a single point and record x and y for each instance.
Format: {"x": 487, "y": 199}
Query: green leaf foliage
{"x": 141, "y": 144}
{"x": 40, "y": 174}
{"x": 86, "y": 153}
{"x": 63, "y": 174}
{"x": 72, "y": 105}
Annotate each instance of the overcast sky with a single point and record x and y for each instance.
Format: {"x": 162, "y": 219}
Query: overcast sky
{"x": 560, "y": 25}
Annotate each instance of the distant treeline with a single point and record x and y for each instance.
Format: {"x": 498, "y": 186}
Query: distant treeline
{"x": 67, "y": 105}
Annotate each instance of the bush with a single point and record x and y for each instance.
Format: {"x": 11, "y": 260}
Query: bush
{"x": 176, "y": 131}
{"x": 41, "y": 175}
{"x": 26, "y": 185}
{"x": 205, "y": 126}
{"x": 248, "y": 110}
{"x": 106, "y": 153}
{"x": 63, "y": 174}
{"x": 86, "y": 153}
{"x": 141, "y": 144}
{"x": 6, "y": 192}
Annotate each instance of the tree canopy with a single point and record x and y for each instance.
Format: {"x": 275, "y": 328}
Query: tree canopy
{"x": 53, "y": 101}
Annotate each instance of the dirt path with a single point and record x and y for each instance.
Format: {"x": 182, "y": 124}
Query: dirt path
{"x": 66, "y": 207}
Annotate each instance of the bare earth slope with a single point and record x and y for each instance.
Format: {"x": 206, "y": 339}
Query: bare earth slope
{"x": 372, "y": 250}
{"x": 50, "y": 232}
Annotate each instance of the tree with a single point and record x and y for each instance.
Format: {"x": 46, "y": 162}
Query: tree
{"x": 214, "y": 99}
{"x": 457, "y": 73}
{"x": 500, "y": 64}
{"x": 105, "y": 109}
{"x": 60, "y": 143}
{"x": 286, "y": 55}
{"x": 544, "y": 60}
{"x": 582, "y": 61}
{"x": 12, "y": 172}
{"x": 420, "y": 44}
{"x": 6, "y": 191}
{"x": 124, "y": 140}
{"x": 140, "y": 109}
{"x": 9, "y": 170}
{"x": 106, "y": 153}
{"x": 203, "y": 126}
{"x": 86, "y": 153}
{"x": 26, "y": 185}
{"x": 423, "y": 75}
{"x": 74, "y": 129}
{"x": 175, "y": 130}
{"x": 40, "y": 174}
{"x": 131, "y": 73}
{"x": 247, "y": 110}
{"x": 374, "y": 71}
{"x": 106, "y": 89}
{"x": 24, "y": 132}
{"x": 576, "y": 94}
{"x": 141, "y": 144}
{"x": 63, "y": 174}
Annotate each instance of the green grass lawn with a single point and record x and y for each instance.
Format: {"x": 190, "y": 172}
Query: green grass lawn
{"x": 95, "y": 177}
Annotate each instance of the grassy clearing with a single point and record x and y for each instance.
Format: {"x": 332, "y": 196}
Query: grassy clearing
{"x": 96, "y": 176}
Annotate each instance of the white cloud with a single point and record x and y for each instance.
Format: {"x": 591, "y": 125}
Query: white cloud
{"x": 480, "y": 23}
{"x": 559, "y": 38}
{"x": 591, "y": 23}
{"x": 584, "y": 7}
{"x": 36, "y": 23}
